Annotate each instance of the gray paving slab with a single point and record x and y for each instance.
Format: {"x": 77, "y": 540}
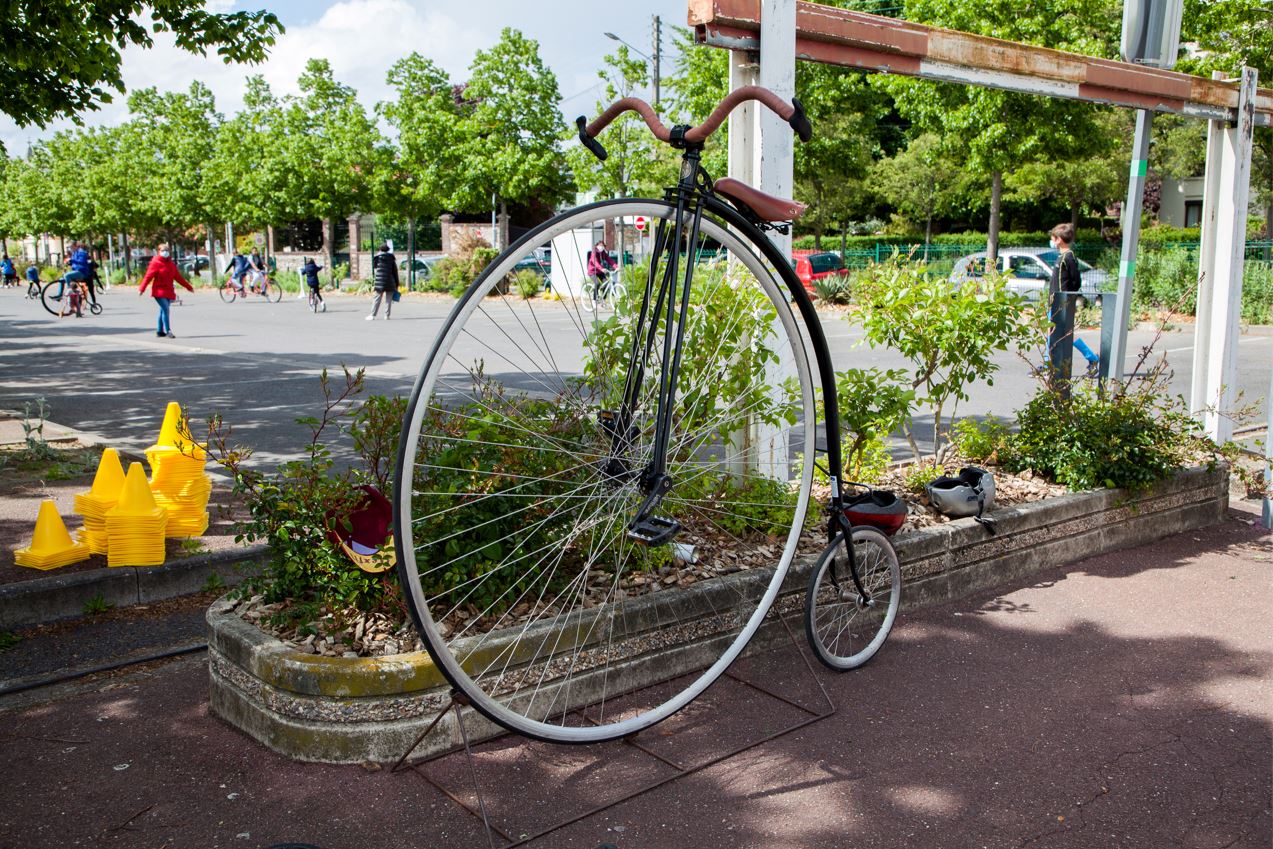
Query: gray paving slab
{"x": 1124, "y": 701}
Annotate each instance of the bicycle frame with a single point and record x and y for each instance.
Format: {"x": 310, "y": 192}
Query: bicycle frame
{"x": 692, "y": 196}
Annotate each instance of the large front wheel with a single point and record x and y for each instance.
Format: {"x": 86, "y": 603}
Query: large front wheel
{"x": 845, "y": 627}
{"x": 522, "y": 471}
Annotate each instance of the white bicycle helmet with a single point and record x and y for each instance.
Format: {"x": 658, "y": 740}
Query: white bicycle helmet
{"x": 970, "y": 493}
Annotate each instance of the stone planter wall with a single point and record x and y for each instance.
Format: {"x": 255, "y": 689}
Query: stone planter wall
{"x": 350, "y": 710}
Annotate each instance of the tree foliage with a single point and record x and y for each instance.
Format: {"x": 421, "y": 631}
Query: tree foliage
{"x": 62, "y": 57}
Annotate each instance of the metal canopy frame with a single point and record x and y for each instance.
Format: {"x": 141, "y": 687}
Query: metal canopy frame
{"x": 763, "y": 156}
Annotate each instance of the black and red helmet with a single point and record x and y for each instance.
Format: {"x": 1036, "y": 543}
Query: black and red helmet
{"x": 879, "y": 508}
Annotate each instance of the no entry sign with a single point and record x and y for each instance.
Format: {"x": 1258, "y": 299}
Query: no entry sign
{"x": 640, "y": 223}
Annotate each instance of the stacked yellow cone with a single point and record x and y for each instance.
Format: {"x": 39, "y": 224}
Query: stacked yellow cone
{"x": 51, "y": 546}
{"x": 135, "y": 525}
{"x": 177, "y": 478}
{"x": 92, "y": 505}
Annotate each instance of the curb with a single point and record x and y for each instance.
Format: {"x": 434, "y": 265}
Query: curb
{"x": 338, "y": 710}
{"x": 63, "y": 596}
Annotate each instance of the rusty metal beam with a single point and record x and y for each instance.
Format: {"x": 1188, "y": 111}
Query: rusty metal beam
{"x": 875, "y": 43}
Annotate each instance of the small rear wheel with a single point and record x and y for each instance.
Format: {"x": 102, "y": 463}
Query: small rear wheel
{"x": 228, "y": 293}
{"x": 33, "y": 291}
{"x": 95, "y": 308}
{"x": 845, "y": 629}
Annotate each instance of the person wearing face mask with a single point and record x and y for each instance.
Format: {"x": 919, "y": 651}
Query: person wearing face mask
{"x": 160, "y": 276}
{"x": 1067, "y": 278}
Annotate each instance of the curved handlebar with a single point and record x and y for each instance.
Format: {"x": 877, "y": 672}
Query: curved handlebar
{"x": 792, "y": 113}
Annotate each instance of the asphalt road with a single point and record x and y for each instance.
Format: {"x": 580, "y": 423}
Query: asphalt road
{"x": 258, "y": 363}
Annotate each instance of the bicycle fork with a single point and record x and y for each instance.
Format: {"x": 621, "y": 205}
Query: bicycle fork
{"x": 654, "y": 481}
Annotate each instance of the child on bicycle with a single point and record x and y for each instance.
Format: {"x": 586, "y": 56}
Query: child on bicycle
{"x": 310, "y": 272}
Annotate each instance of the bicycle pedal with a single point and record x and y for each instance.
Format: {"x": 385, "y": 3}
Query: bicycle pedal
{"x": 653, "y": 530}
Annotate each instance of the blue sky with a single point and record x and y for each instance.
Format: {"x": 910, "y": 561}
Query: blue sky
{"x": 362, "y": 38}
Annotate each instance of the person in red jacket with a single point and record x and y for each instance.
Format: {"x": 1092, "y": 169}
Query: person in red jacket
{"x": 160, "y": 276}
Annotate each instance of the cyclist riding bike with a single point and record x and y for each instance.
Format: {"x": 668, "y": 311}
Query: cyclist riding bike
{"x": 239, "y": 268}
{"x": 256, "y": 273}
{"x": 80, "y": 269}
{"x": 599, "y": 267}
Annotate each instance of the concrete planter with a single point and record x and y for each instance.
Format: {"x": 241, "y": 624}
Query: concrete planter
{"x": 340, "y": 710}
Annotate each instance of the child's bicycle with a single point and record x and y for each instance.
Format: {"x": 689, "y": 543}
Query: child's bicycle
{"x": 316, "y": 302}
{"x": 587, "y": 508}
{"x": 62, "y": 298}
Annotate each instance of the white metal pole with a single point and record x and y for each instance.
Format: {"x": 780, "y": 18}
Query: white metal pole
{"x": 1131, "y": 239}
{"x": 1229, "y": 256}
{"x": 1211, "y": 188}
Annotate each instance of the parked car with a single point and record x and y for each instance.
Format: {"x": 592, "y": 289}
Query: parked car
{"x": 423, "y": 265}
{"x": 811, "y": 267}
{"x": 1029, "y": 272}
{"x": 192, "y": 264}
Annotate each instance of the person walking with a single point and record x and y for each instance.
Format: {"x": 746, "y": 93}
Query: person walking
{"x": 384, "y": 275}
{"x": 160, "y": 276}
{"x": 1067, "y": 278}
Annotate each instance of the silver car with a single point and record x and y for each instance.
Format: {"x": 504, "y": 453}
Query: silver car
{"x": 1029, "y": 272}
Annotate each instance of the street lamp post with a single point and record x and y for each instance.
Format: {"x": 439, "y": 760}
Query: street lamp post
{"x": 658, "y": 53}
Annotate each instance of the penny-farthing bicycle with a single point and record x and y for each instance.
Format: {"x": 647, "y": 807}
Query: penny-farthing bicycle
{"x": 587, "y": 508}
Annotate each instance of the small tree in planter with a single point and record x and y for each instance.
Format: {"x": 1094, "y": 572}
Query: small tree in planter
{"x": 949, "y": 332}
{"x": 295, "y": 509}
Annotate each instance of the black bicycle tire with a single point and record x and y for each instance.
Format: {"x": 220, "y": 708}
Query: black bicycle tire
{"x": 228, "y": 293}
{"x": 95, "y": 308}
{"x": 45, "y": 297}
{"x": 274, "y": 292}
{"x": 825, "y": 655}
{"x": 731, "y": 227}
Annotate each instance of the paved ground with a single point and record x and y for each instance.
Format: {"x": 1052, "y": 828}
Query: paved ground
{"x": 1124, "y": 701}
{"x": 257, "y": 362}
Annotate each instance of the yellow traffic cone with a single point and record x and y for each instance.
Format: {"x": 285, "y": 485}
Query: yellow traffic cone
{"x": 170, "y": 435}
{"x": 135, "y": 499}
{"x": 109, "y": 479}
{"x": 51, "y": 544}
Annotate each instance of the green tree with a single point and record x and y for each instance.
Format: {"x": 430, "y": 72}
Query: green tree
{"x": 246, "y": 177}
{"x": 634, "y": 165}
{"x": 510, "y": 139}
{"x": 996, "y": 131}
{"x": 830, "y": 169}
{"x": 423, "y": 168}
{"x": 1232, "y": 35}
{"x": 63, "y": 56}
{"x": 920, "y": 182}
{"x": 177, "y": 135}
{"x": 327, "y": 150}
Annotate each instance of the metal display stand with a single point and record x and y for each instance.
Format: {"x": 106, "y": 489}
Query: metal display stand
{"x": 457, "y": 700}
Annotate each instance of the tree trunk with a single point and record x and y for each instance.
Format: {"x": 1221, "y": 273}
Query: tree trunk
{"x": 128, "y": 254}
{"x": 996, "y": 204}
{"x": 817, "y": 239}
{"x": 329, "y": 247}
{"x": 1074, "y": 216}
{"x": 212, "y": 257}
{"x": 411, "y": 254}
{"x": 501, "y": 224}
{"x": 928, "y": 233}
{"x": 844, "y": 243}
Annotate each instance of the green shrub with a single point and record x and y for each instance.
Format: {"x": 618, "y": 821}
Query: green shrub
{"x": 117, "y": 277}
{"x": 527, "y": 283}
{"x": 916, "y": 476}
{"x": 293, "y": 508}
{"x": 833, "y": 289}
{"x": 1091, "y": 441}
{"x": 50, "y": 272}
{"x": 1166, "y": 279}
{"x": 872, "y": 403}
{"x": 980, "y": 441}
{"x": 1257, "y": 292}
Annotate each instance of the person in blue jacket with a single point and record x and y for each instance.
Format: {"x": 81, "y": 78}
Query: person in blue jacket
{"x": 79, "y": 269}
{"x": 10, "y": 273}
